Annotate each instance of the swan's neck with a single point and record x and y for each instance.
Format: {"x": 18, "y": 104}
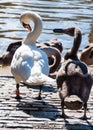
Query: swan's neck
{"x": 33, "y": 36}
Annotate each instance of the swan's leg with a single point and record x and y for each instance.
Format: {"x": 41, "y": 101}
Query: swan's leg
{"x": 85, "y": 109}
{"x": 39, "y": 95}
{"x": 63, "y": 113}
{"x": 18, "y": 97}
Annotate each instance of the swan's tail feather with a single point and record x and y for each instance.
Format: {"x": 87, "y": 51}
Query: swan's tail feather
{"x": 41, "y": 80}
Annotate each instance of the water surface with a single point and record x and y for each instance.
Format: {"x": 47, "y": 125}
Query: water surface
{"x": 54, "y": 13}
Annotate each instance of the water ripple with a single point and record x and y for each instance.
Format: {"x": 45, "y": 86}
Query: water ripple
{"x": 54, "y": 13}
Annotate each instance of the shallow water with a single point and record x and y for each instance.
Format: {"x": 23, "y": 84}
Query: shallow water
{"x": 54, "y": 13}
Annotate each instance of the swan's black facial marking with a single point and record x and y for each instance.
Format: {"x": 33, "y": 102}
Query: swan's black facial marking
{"x": 27, "y": 26}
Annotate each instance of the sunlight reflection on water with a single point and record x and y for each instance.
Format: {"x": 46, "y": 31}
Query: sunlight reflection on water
{"x": 54, "y": 13}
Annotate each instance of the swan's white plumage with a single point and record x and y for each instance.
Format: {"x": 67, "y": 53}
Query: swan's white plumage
{"x": 30, "y": 64}
{"x": 32, "y": 36}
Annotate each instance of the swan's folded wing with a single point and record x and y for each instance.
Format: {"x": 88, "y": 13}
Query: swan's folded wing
{"x": 41, "y": 79}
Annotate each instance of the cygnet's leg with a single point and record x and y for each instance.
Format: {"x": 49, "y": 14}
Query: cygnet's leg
{"x": 18, "y": 97}
{"x": 63, "y": 113}
{"x": 84, "y": 117}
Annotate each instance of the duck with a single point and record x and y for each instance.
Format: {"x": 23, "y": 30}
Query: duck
{"x": 74, "y": 81}
{"x": 29, "y": 63}
{"x": 87, "y": 54}
{"x": 53, "y": 49}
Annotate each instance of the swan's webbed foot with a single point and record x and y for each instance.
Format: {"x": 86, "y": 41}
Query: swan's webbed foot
{"x": 38, "y": 97}
{"x": 64, "y": 116}
{"x": 18, "y": 97}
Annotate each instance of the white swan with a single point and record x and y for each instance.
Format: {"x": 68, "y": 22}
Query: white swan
{"x": 52, "y": 48}
{"x": 30, "y": 64}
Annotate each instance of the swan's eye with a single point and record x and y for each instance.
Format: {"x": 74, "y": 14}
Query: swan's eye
{"x": 27, "y": 26}
{"x": 24, "y": 25}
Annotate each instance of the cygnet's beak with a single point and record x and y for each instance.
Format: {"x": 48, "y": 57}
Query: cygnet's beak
{"x": 27, "y": 26}
{"x": 58, "y": 30}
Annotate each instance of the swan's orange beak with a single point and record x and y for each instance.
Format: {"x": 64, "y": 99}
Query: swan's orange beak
{"x": 27, "y": 26}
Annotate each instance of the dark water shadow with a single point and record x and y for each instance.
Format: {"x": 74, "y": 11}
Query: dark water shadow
{"x": 78, "y": 126}
{"x": 39, "y": 109}
{"x": 45, "y": 88}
